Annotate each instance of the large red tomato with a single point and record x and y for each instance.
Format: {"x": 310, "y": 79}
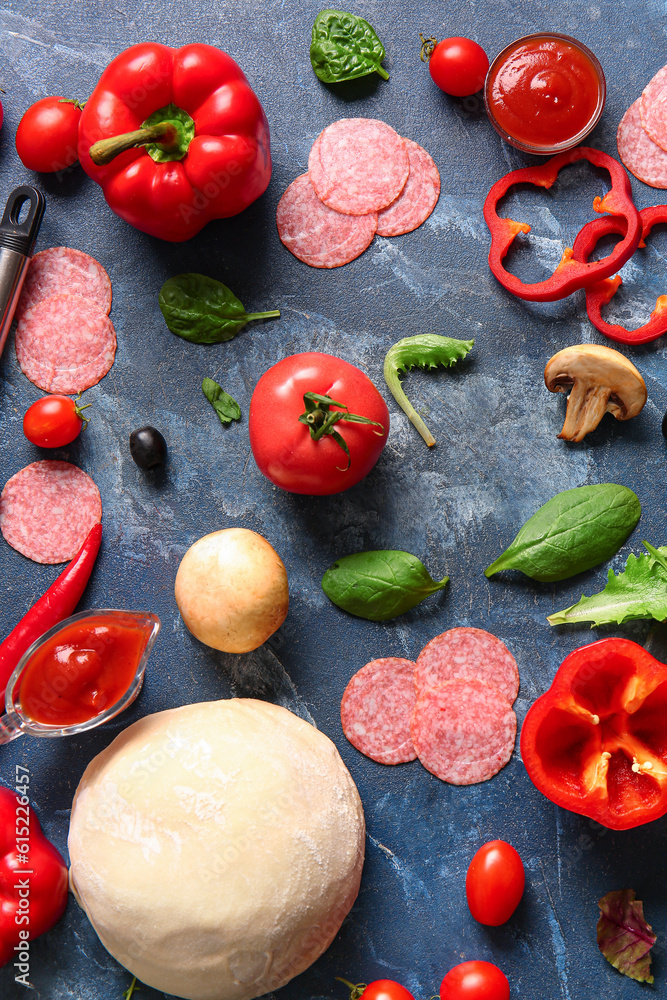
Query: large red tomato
{"x": 283, "y": 446}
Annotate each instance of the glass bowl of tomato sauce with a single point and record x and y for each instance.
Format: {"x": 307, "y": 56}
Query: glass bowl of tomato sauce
{"x": 79, "y": 674}
{"x": 544, "y": 93}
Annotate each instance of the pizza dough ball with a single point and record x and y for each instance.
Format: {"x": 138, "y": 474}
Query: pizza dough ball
{"x": 217, "y": 848}
{"x": 231, "y": 589}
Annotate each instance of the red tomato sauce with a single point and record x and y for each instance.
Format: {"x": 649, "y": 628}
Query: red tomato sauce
{"x": 544, "y": 91}
{"x": 83, "y": 670}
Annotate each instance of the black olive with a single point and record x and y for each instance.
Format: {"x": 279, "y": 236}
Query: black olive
{"x": 664, "y": 425}
{"x": 147, "y": 447}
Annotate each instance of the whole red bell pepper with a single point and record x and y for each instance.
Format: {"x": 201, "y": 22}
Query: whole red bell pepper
{"x": 596, "y": 742}
{"x": 33, "y": 878}
{"x": 175, "y": 138}
{"x": 571, "y": 274}
{"x": 602, "y": 292}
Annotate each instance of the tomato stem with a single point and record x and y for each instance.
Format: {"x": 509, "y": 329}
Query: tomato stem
{"x": 355, "y": 990}
{"x": 427, "y": 46}
{"x": 321, "y": 420}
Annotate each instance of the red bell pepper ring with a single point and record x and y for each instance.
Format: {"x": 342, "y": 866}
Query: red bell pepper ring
{"x": 178, "y": 138}
{"x": 602, "y": 292}
{"x": 594, "y": 743}
{"x": 33, "y": 878}
{"x": 56, "y": 604}
{"x": 571, "y": 274}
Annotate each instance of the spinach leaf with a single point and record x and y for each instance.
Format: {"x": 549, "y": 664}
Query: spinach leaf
{"x": 204, "y": 310}
{"x": 427, "y": 350}
{"x": 572, "y": 532}
{"x": 639, "y": 591}
{"x": 224, "y": 405}
{"x": 345, "y": 47}
{"x": 380, "y": 584}
{"x": 624, "y": 937}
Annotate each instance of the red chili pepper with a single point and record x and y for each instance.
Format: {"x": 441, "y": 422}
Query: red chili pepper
{"x": 602, "y": 292}
{"x": 33, "y": 877}
{"x": 54, "y": 606}
{"x": 188, "y": 138}
{"x": 595, "y": 743}
{"x": 570, "y": 274}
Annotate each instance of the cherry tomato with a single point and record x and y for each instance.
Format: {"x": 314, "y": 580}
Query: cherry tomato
{"x": 475, "y": 981}
{"x": 53, "y": 421}
{"x": 47, "y": 136}
{"x": 458, "y": 66}
{"x": 494, "y": 883}
{"x": 283, "y": 447}
{"x": 386, "y": 989}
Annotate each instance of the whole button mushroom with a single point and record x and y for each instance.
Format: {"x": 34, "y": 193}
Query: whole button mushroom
{"x": 602, "y": 381}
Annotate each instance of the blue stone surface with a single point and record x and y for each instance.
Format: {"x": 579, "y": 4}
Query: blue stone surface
{"x": 456, "y": 506}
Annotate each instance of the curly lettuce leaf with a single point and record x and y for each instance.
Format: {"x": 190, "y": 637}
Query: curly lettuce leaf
{"x": 639, "y": 591}
{"x": 624, "y": 937}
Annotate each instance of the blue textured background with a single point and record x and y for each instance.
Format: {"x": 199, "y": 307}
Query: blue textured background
{"x": 456, "y": 507}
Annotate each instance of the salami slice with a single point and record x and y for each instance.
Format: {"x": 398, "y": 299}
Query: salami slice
{"x": 467, "y": 653}
{"x": 358, "y": 165}
{"x": 640, "y": 155}
{"x": 316, "y": 234}
{"x": 653, "y": 108}
{"x": 376, "y": 709}
{"x": 417, "y": 199}
{"x": 463, "y": 731}
{"x": 60, "y": 270}
{"x": 47, "y": 510}
{"x": 65, "y": 343}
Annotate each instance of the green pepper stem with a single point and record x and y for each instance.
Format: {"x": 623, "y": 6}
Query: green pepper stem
{"x": 167, "y": 134}
{"x": 396, "y": 389}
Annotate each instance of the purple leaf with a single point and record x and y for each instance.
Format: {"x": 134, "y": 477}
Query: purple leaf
{"x": 624, "y": 937}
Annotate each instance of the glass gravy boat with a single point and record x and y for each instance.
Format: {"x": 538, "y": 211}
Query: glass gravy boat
{"x": 66, "y": 666}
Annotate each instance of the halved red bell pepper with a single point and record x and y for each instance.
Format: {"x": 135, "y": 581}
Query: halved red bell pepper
{"x": 596, "y": 742}
{"x": 178, "y": 138}
{"x": 602, "y": 292}
{"x": 571, "y": 274}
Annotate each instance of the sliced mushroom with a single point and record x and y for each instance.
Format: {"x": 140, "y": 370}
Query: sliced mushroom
{"x": 602, "y": 381}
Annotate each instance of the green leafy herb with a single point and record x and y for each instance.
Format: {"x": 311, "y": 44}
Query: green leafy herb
{"x": 379, "y": 584}
{"x": 204, "y": 310}
{"x": 224, "y": 405}
{"x": 624, "y": 937}
{"x": 574, "y": 531}
{"x": 427, "y": 350}
{"x": 345, "y": 47}
{"x": 639, "y": 591}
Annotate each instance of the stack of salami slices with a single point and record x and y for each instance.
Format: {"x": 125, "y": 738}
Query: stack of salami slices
{"x": 642, "y": 134}
{"x": 65, "y": 341}
{"x": 363, "y": 179}
{"x": 452, "y": 708}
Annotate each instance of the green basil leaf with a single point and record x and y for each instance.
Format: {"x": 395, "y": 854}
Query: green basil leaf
{"x": 345, "y": 47}
{"x": 203, "y": 310}
{"x": 624, "y": 937}
{"x": 224, "y": 405}
{"x": 574, "y": 531}
{"x": 380, "y": 584}
{"x": 426, "y": 350}
{"x": 639, "y": 591}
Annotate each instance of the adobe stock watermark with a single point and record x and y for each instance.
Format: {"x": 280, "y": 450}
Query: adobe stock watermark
{"x": 22, "y": 876}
